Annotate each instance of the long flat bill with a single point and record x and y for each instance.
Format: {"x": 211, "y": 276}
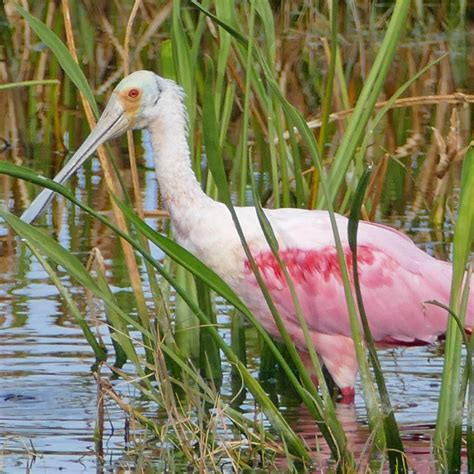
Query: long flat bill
{"x": 113, "y": 122}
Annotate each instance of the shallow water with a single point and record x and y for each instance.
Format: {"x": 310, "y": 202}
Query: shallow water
{"x": 48, "y": 394}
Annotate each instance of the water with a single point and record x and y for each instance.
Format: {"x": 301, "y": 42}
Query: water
{"x": 48, "y": 394}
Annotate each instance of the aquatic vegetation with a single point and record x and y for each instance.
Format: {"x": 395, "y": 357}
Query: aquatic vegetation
{"x": 255, "y": 76}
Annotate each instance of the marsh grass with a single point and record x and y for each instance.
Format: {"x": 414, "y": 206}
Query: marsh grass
{"x": 242, "y": 67}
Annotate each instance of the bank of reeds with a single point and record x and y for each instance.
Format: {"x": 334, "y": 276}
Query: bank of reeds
{"x": 255, "y": 76}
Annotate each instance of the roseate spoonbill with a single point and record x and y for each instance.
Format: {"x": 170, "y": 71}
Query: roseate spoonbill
{"x": 396, "y": 277}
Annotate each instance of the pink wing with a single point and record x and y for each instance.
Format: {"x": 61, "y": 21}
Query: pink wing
{"x": 396, "y": 279}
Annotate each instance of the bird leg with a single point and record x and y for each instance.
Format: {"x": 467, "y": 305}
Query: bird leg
{"x": 347, "y": 395}
{"x": 339, "y": 358}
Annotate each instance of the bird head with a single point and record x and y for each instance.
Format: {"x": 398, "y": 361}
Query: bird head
{"x": 135, "y": 99}
{"x": 132, "y": 105}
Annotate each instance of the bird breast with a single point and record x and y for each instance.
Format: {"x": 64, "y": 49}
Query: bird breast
{"x": 208, "y": 232}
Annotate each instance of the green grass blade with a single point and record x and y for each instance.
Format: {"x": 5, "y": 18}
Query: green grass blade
{"x": 225, "y": 9}
{"x": 183, "y": 65}
{"x": 210, "y": 361}
{"x": 367, "y": 99}
{"x": 452, "y": 455}
{"x": 244, "y": 151}
{"x": 327, "y": 100}
{"x": 448, "y": 411}
{"x": 300, "y": 183}
{"x": 238, "y": 344}
{"x": 456, "y": 452}
{"x": 210, "y": 130}
{"x": 470, "y": 394}
{"x": 44, "y": 82}
{"x": 378, "y": 117}
{"x": 395, "y": 449}
{"x": 265, "y": 12}
{"x": 187, "y": 332}
{"x": 99, "y": 350}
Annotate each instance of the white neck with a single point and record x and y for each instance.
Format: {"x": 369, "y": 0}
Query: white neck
{"x": 179, "y": 187}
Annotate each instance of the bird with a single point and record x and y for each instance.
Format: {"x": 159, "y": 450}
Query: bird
{"x": 396, "y": 277}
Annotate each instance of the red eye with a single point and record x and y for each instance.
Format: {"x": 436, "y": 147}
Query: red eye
{"x": 133, "y": 93}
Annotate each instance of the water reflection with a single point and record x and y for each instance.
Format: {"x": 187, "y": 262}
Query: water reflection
{"x": 416, "y": 440}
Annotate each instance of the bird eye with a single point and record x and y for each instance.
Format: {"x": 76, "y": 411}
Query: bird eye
{"x": 133, "y": 93}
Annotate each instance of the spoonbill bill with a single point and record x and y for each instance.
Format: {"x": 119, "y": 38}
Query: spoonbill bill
{"x": 396, "y": 277}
